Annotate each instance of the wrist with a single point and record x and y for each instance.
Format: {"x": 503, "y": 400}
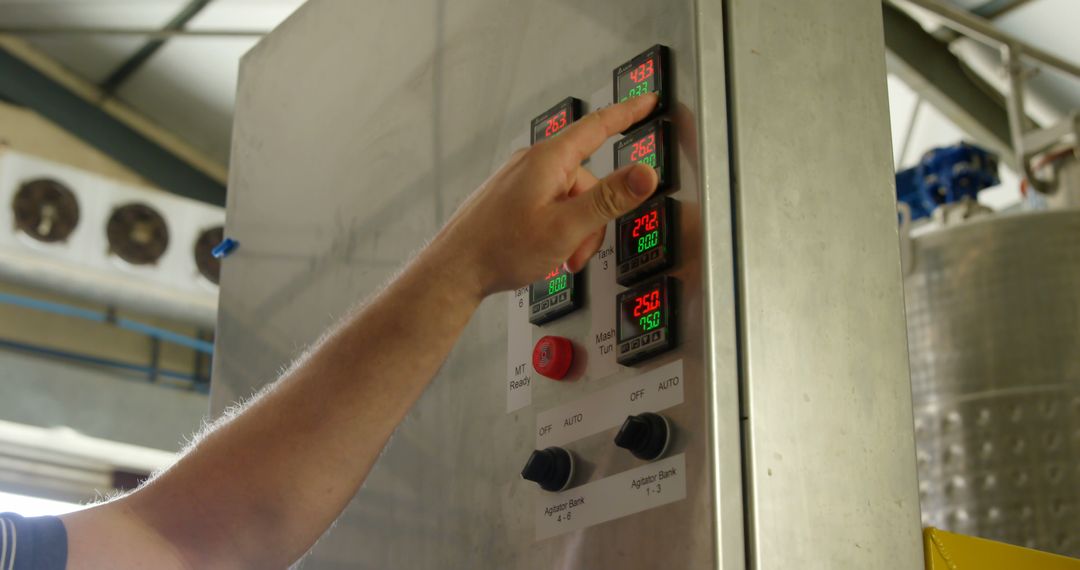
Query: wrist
{"x": 454, "y": 272}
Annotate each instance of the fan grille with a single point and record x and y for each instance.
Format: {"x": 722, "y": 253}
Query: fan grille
{"x": 137, "y": 234}
{"x": 46, "y": 210}
{"x": 209, "y": 266}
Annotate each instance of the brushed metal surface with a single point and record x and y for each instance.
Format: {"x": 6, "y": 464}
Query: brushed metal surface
{"x": 359, "y": 127}
{"x": 994, "y": 332}
{"x": 831, "y": 454}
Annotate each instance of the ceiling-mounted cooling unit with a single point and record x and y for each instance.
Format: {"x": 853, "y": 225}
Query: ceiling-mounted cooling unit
{"x": 82, "y": 234}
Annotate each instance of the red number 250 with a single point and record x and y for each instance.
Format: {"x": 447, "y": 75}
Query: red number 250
{"x": 647, "y": 303}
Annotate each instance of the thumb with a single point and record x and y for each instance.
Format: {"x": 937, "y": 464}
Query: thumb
{"x": 615, "y": 195}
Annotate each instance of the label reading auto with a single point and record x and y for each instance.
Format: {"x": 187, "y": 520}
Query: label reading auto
{"x": 645, "y": 237}
{"x": 646, "y": 323}
{"x": 556, "y": 119}
{"x": 553, "y": 296}
{"x": 648, "y": 144}
{"x": 648, "y": 72}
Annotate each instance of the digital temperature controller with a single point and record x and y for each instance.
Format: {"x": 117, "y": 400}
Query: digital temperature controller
{"x": 553, "y": 296}
{"x": 646, "y": 73}
{"x": 646, "y": 323}
{"x": 556, "y": 119}
{"x": 644, "y": 244}
{"x": 648, "y": 144}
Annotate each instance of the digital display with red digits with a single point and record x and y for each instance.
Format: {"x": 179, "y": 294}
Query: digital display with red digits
{"x": 640, "y": 232}
{"x": 640, "y": 75}
{"x": 556, "y": 119}
{"x": 646, "y": 146}
{"x": 638, "y": 80}
{"x": 648, "y": 72}
{"x": 642, "y": 311}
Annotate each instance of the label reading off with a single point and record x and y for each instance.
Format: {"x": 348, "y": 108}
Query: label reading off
{"x": 556, "y": 119}
{"x": 646, "y": 323}
{"x": 649, "y": 145}
{"x": 644, "y": 244}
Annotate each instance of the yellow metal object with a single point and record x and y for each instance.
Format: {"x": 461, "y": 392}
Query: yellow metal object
{"x": 948, "y": 551}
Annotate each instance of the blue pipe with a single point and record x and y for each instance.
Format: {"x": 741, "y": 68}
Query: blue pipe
{"x": 95, "y": 360}
{"x": 100, "y": 317}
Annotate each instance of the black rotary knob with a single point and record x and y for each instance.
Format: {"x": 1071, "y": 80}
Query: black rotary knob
{"x": 645, "y": 435}
{"x": 551, "y": 468}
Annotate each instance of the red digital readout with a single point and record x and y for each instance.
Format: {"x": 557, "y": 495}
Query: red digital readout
{"x": 643, "y": 147}
{"x": 554, "y": 273}
{"x": 555, "y": 123}
{"x": 647, "y": 303}
{"x": 642, "y": 72}
{"x": 646, "y": 223}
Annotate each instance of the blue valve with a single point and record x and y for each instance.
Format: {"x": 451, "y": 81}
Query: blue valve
{"x": 224, "y": 248}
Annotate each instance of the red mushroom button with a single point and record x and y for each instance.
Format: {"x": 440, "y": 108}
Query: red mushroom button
{"x": 553, "y": 356}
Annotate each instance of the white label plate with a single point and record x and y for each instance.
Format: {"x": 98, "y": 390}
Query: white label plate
{"x": 652, "y": 391}
{"x": 518, "y": 351}
{"x": 626, "y": 493}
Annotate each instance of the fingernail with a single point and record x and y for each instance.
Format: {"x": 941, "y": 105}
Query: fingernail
{"x": 566, "y": 267}
{"x": 641, "y": 180}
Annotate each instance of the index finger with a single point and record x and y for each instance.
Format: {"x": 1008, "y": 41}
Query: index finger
{"x": 584, "y": 137}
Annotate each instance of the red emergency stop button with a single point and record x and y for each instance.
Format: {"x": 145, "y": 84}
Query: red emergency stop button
{"x": 553, "y": 356}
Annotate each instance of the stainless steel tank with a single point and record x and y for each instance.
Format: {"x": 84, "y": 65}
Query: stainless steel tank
{"x": 994, "y": 330}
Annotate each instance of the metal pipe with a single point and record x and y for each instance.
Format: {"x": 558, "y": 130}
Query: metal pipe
{"x": 150, "y": 33}
{"x": 100, "y": 317}
{"x": 909, "y": 133}
{"x": 94, "y": 360}
{"x": 1010, "y": 56}
{"x": 983, "y": 30}
{"x": 998, "y": 8}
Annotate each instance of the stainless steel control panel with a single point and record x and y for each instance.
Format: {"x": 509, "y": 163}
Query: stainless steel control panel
{"x": 361, "y": 126}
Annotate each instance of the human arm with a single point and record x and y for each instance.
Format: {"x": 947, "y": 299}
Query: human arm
{"x": 261, "y": 487}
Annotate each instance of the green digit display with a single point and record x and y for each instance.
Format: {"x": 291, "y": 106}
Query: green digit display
{"x": 649, "y": 321}
{"x": 639, "y": 89}
{"x": 648, "y": 241}
{"x": 557, "y": 284}
{"x": 650, "y": 160}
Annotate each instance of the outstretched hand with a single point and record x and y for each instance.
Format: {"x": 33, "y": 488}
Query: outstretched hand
{"x": 543, "y": 209}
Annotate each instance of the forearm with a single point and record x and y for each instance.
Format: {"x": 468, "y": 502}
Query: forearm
{"x": 262, "y": 488}
{"x": 259, "y": 489}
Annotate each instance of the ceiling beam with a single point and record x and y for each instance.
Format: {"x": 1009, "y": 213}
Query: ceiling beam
{"x": 927, "y": 66}
{"x": 139, "y": 58}
{"x": 30, "y": 87}
{"x": 151, "y": 33}
{"x": 997, "y": 8}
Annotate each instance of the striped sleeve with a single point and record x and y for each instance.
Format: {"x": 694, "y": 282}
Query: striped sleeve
{"x": 38, "y": 543}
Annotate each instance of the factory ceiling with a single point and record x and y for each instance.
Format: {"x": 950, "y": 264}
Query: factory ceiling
{"x": 175, "y": 62}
